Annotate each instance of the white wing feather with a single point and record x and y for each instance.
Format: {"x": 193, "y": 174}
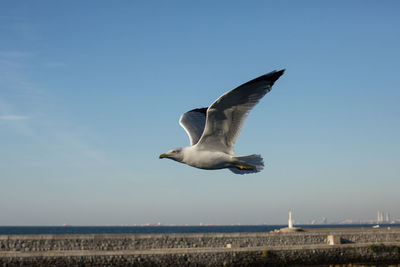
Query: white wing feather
{"x": 226, "y": 115}
{"x": 193, "y": 122}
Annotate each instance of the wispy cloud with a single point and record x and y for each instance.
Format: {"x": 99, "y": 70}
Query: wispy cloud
{"x": 13, "y": 117}
{"x": 15, "y": 54}
{"x": 55, "y": 64}
{"x": 13, "y": 66}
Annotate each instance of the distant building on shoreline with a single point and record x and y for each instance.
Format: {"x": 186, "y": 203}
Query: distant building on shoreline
{"x": 383, "y": 217}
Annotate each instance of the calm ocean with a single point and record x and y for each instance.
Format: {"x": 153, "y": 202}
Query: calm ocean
{"x": 60, "y": 230}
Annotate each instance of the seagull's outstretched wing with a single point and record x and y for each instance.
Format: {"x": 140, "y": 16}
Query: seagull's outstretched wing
{"x": 226, "y": 115}
{"x": 193, "y": 122}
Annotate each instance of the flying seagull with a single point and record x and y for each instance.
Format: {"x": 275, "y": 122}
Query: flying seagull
{"x": 213, "y": 131}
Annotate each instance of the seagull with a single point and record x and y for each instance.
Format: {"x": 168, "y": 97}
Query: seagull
{"x": 213, "y": 130}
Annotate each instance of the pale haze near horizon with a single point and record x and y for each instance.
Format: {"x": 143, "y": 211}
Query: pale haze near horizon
{"x": 91, "y": 93}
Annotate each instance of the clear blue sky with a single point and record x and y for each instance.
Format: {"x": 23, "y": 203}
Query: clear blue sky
{"x": 91, "y": 93}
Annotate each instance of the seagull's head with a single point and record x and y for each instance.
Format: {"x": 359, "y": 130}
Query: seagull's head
{"x": 175, "y": 154}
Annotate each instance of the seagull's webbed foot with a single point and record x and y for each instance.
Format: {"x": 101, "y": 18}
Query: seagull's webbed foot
{"x": 244, "y": 167}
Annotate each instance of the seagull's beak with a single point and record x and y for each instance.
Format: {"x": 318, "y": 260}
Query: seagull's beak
{"x": 163, "y": 156}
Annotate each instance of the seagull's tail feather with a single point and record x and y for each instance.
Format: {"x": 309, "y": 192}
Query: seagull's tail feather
{"x": 248, "y": 164}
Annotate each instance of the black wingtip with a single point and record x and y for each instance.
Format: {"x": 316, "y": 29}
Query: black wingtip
{"x": 273, "y": 76}
{"x": 199, "y": 110}
{"x": 269, "y": 77}
{"x": 281, "y": 71}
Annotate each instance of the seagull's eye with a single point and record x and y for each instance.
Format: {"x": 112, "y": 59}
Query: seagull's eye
{"x": 174, "y": 151}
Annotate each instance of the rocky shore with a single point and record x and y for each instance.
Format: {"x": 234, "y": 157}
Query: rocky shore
{"x": 322, "y": 246}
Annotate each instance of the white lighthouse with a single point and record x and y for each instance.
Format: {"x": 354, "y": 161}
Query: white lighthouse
{"x": 290, "y": 227}
{"x": 290, "y": 224}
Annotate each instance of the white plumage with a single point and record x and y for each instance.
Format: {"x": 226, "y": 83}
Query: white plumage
{"x": 213, "y": 131}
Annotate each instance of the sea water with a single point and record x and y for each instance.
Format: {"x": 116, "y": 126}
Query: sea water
{"x": 54, "y": 230}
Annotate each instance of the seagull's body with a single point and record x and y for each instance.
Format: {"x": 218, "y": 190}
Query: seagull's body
{"x": 213, "y": 131}
{"x": 206, "y": 159}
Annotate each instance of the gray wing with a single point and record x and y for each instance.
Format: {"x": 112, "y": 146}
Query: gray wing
{"x": 193, "y": 122}
{"x": 226, "y": 115}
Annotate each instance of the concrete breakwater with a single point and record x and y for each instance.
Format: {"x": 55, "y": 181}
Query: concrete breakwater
{"x": 234, "y": 249}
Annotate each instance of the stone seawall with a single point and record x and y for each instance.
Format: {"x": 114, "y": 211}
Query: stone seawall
{"x": 237, "y": 249}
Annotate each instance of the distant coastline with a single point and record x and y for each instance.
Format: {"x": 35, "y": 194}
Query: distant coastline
{"x": 163, "y": 229}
